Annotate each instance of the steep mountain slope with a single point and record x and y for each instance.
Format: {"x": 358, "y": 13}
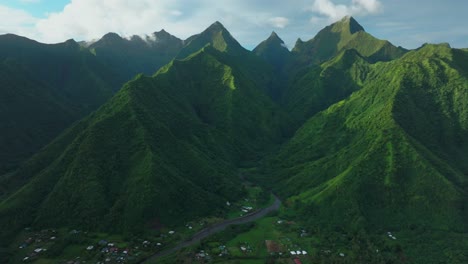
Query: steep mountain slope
{"x": 217, "y": 36}
{"x": 26, "y": 108}
{"x": 137, "y": 54}
{"x": 164, "y": 148}
{"x": 256, "y": 69}
{"x": 344, "y": 34}
{"x": 276, "y": 54}
{"x": 274, "y": 51}
{"x": 329, "y": 67}
{"x": 45, "y": 88}
{"x": 389, "y": 157}
{"x": 316, "y": 88}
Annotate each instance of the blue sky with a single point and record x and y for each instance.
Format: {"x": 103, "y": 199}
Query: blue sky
{"x": 403, "y": 22}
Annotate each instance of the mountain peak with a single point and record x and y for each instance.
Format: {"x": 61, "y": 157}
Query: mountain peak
{"x": 348, "y": 23}
{"x": 274, "y": 38}
{"x": 273, "y": 50}
{"x": 162, "y": 33}
{"x": 215, "y": 35}
{"x": 216, "y": 26}
{"x": 111, "y": 37}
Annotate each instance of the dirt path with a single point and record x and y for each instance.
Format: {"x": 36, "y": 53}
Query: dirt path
{"x": 215, "y": 229}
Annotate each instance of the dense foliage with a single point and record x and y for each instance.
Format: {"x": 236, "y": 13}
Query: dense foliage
{"x": 357, "y": 136}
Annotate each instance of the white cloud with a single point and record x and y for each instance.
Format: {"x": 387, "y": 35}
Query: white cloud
{"x": 16, "y": 20}
{"x": 278, "y": 22}
{"x": 335, "y": 12}
{"x": 90, "y": 19}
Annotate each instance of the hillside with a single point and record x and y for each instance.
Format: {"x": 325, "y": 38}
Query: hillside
{"x": 138, "y": 54}
{"x": 274, "y": 51}
{"x": 45, "y": 88}
{"x": 183, "y": 132}
{"x": 344, "y": 34}
{"x": 316, "y": 88}
{"x": 358, "y": 138}
{"x": 389, "y": 156}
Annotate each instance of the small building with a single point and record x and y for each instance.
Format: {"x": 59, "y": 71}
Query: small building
{"x": 90, "y": 248}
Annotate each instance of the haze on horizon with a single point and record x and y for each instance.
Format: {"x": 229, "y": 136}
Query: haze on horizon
{"x": 405, "y": 23}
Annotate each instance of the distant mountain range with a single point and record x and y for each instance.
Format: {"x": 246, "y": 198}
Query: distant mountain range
{"x": 349, "y": 130}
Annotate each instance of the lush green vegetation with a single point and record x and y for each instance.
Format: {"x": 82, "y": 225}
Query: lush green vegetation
{"x": 381, "y": 145}
{"x": 44, "y": 89}
{"x": 388, "y": 157}
{"x": 129, "y": 57}
{"x": 342, "y": 35}
{"x": 184, "y": 129}
{"x": 274, "y": 51}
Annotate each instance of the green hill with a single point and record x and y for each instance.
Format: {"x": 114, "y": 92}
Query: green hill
{"x": 274, "y": 51}
{"x": 138, "y": 54}
{"x": 163, "y": 148}
{"x": 256, "y": 69}
{"x": 316, "y": 88}
{"x": 388, "y": 157}
{"x": 215, "y": 35}
{"x": 344, "y": 34}
{"x": 381, "y": 146}
{"x": 44, "y": 88}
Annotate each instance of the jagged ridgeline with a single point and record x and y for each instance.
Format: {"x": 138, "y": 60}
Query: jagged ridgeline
{"x": 163, "y": 148}
{"x": 391, "y": 155}
{"x": 381, "y": 144}
{"x": 45, "y": 88}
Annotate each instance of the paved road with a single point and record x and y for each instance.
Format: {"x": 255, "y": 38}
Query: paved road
{"x": 215, "y": 229}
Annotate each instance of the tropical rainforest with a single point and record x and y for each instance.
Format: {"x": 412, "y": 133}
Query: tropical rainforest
{"x": 357, "y": 137}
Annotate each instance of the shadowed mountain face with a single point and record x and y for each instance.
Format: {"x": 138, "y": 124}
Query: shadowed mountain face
{"x": 352, "y": 132}
{"x": 185, "y": 130}
{"x": 137, "y": 54}
{"x": 43, "y": 89}
{"x": 274, "y": 51}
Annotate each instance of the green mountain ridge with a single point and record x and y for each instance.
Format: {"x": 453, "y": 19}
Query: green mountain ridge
{"x": 356, "y": 136}
{"x": 215, "y": 35}
{"x": 45, "y": 88}
{"x": 344, "y": 34}
{"x": 365, "y": 166}
{"x": 138, "y": 54}
{"x": 176, "y": 146}
{"x": 274, "y": 51}
{"x": 316, "y": 88}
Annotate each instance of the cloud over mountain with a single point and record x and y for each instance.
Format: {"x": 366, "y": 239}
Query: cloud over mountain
{"x": 355, "y": 7}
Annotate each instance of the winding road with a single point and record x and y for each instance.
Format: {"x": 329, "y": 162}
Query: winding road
{"x": 215, "y": 229}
